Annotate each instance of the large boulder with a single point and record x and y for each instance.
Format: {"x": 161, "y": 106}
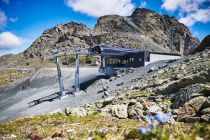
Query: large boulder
{"x": 106, "y": 111}
{"x": 77, "y": 112}
{"x": 185, "y": 94}
{"x": 154, "y": 109}
{"x": 192, "y": 119}
{"x": 108, "y": 100}
{"x": 120, "y": 111}
{"x": 190, "y": 109}
{"x": 135, "y": 109}
{"x": 206, "y": 111}
{"x": 205, "y": 118}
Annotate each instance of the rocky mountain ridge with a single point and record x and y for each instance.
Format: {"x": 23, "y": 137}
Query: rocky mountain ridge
{"x": 205, "y": 44}
{"x": 144, "y": 29}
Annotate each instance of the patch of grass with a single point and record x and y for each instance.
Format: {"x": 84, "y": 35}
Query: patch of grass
{"x": 144, "y": 93}
{"x": 34, "y": 63}
{"x": 166, "y": 75}
{"x": 167, "y": 102}
{"x": 90, "y": 126}
{"x": 83, "y": 127}
{"x": 8, "y": 76}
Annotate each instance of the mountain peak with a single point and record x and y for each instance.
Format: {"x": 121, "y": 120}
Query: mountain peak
{"x": 142, "y": 11}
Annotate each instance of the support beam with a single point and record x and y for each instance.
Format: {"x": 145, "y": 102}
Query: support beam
{"x": 102, "y": 67}
{"x": 77, "y": 87}
{"x": 104, "y": 63}
{"x": 60, "y": 78}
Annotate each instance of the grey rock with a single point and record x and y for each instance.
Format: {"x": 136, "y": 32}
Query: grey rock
{"x": 190, "y": 108}
{"x": 152, "y": 69}
{"x": 196, "y": 95}
{"x": 192, "y": 119}
{"x": 78, "y": 111}
{"x": 207, "y": 103}
{"x": 160, "y": 82}
{"x": 100, "y": 90}
{"x": 205, "y": 118}
{"x": 108, "y": 100}
{"x": 119, "y": 111}
{"x": 135, "y": 110}
{"x": 132, "y": 102}
{"x": 178, "y": 76}
{"x": 153, "y": 109}
{"x": 206, "y": 111}
{"x": 120, "y": 84}
{"x": 185, "y": 94}
{"x": 106, "y": 111}
{"x": 106, "y": 93}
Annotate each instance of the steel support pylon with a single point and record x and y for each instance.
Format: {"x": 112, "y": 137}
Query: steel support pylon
{"x": 77, "y": 87}
{"x": 60, "y": 79}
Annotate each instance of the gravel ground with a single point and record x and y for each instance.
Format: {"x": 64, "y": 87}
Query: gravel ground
{"x": 44, "y": 90}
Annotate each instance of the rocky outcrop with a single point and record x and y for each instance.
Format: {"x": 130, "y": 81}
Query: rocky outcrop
{"x": 184, "y": 95}
{"x": 175, "y": 85}
{"x": 63, "y": 37}
{"x": 191, "y": 109}
{"x": 203, "y": 45}
{"x": 145, "y": 24}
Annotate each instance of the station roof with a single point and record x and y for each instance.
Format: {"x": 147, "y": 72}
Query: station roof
{"x": 108, "y": 50}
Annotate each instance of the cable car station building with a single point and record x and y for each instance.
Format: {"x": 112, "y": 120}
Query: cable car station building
{"x": 112, "y": 58}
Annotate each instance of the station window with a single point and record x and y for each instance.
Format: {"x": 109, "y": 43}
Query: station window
{"x": 111, "y": 61}
{"x": 131, "y": 59}
{"x": 118, "y": 61}
{"x": 140, "y": 59}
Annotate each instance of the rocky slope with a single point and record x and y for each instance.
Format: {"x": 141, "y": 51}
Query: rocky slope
{"x": 144, "y": 29}
{"x": 205, "y": 44}
{"x": 182, "y": 87}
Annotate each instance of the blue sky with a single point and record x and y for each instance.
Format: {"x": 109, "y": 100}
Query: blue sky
{"x": 22, "y": 21}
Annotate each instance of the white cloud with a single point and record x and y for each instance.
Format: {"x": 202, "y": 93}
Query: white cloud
{"x": 13, "y": 19}
{"x": 143, "y": 4}
{"x": 98, "y": 8}
{"x": 3, "y": 20}
{"x": 9, "y": 41}
{"x": 171, "y": 5}
{"x": 190, "y": 11}
{"x": 201, "y": 15}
